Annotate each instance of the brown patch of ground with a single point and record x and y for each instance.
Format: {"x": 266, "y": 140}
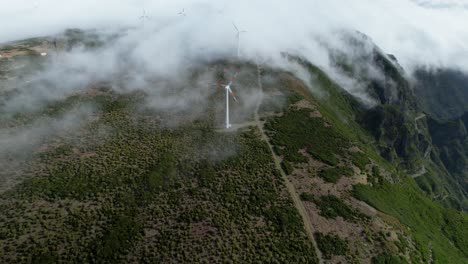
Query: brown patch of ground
{"x": 7, "y": 54}
{"x": 363, "y": 207}
{"x": 364, "y": 237}
{"x": 316, "y": 114}
{"x": 202, "y": 229}
{"x": 354, "y": 149}
{"x": 22, "y": 50}
{"x": 88, "y": 154}
{"x": 304, "y": 104}
{"x": 337, "y": 260}
{"x": 40, "y": 49}
{"x": 338, "y": 226}
{"x": 360, "y": 178}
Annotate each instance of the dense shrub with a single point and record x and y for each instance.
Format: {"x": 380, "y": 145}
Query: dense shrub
{"x": 332, "y": 175}
{"x": 331, "y": 245}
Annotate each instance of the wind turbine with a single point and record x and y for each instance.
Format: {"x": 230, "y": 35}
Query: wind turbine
{"x": 239, "y": 32}
{"x": 229, "y": 92}
{"x": 144, "y": 16}
{"x": 182, "y": 13}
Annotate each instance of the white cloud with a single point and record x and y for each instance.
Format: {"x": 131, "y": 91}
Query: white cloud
{"x": 406, "y": 28}
{"x": 167, "y": 44}
{"x": 443, "y": 3}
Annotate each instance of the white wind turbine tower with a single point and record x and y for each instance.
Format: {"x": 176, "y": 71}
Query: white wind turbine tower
{"x": 239, "y": 32}
{"x": 229, "y": 92}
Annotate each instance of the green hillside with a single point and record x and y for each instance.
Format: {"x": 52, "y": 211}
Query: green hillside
{"x": 301, "y": 178}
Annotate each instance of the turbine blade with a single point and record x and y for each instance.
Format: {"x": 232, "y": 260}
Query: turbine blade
{"x": 235, "y": 26}
{"x": 232, "y": 94}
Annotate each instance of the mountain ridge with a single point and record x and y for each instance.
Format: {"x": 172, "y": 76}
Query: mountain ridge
{"x": 131, "y": 186}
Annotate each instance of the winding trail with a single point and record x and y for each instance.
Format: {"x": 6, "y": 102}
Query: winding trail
{"x": 419, "y": 117}
{"x": 420, "y": 173}
{"x": 309, "y": 228}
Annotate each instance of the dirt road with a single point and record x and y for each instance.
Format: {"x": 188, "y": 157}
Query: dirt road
{"x": 290, "y": 187}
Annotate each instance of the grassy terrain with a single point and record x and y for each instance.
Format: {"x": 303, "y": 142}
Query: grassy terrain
{"x": 444, "y": 229}
{"x": 428, "y": 221}
{"x": 386, "y": 258}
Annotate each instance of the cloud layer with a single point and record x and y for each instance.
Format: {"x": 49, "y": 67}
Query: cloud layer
{"x": 414, "y": 33}
{"x": 158, "y": 53}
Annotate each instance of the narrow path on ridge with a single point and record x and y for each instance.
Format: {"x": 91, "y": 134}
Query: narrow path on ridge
{"x": 291, "y": 189}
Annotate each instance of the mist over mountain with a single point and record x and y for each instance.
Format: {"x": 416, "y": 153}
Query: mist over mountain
{"x": 443, "y": 3}
{"x": 219, "y": 131}
{"x": 415, "y": 34}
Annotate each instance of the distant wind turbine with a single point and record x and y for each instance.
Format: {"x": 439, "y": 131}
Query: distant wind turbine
{"x": 144, "y": 17}
{"x": 182, "y": 13}
{"x": 239, "y": 32}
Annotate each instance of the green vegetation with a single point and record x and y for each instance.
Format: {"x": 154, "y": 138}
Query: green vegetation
{"x": 287, "y": 167}
{"x": 127, "y": 188}
{"x": 340, "y": 110}
{"x": 405, "y": 202}
{"x": 360, "y": 160}
{"x": 296, "y": 130}
{"x": 339, "y": 107}
{"x": 284, "y": 218}
{"x": 143, "y": 192}
{"x": 332, "y": 175}
{"x": 331, "y": 207}
{"x": 386, "y": 258}
{"x": 429, "y": 222}
{"x": 307, "y": 197}
{"x": 375, "y": 177}
{"x": 331, "y": 245}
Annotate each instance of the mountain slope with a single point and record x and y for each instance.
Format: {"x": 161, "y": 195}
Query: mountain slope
{"x": 398, "y": 195}
{"x": 303, "y": 178}
{"x": 442, "y": 92}
{"x": 406, "y": 133}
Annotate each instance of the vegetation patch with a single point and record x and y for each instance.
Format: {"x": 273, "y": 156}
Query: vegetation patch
{"x": 307, "y": 197}
{"x": 360, "y": 159}
{"x": 141, "y": 191}
{"x": 387, "y": 258}
{"x": 333, "y": 175}
{"x": 444, "y": 228}
{"x": 296, "y": 130}
{"x": 331, "y": 245}
{"x": 331, "y": 207}
{"x": 284, "y": 218}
